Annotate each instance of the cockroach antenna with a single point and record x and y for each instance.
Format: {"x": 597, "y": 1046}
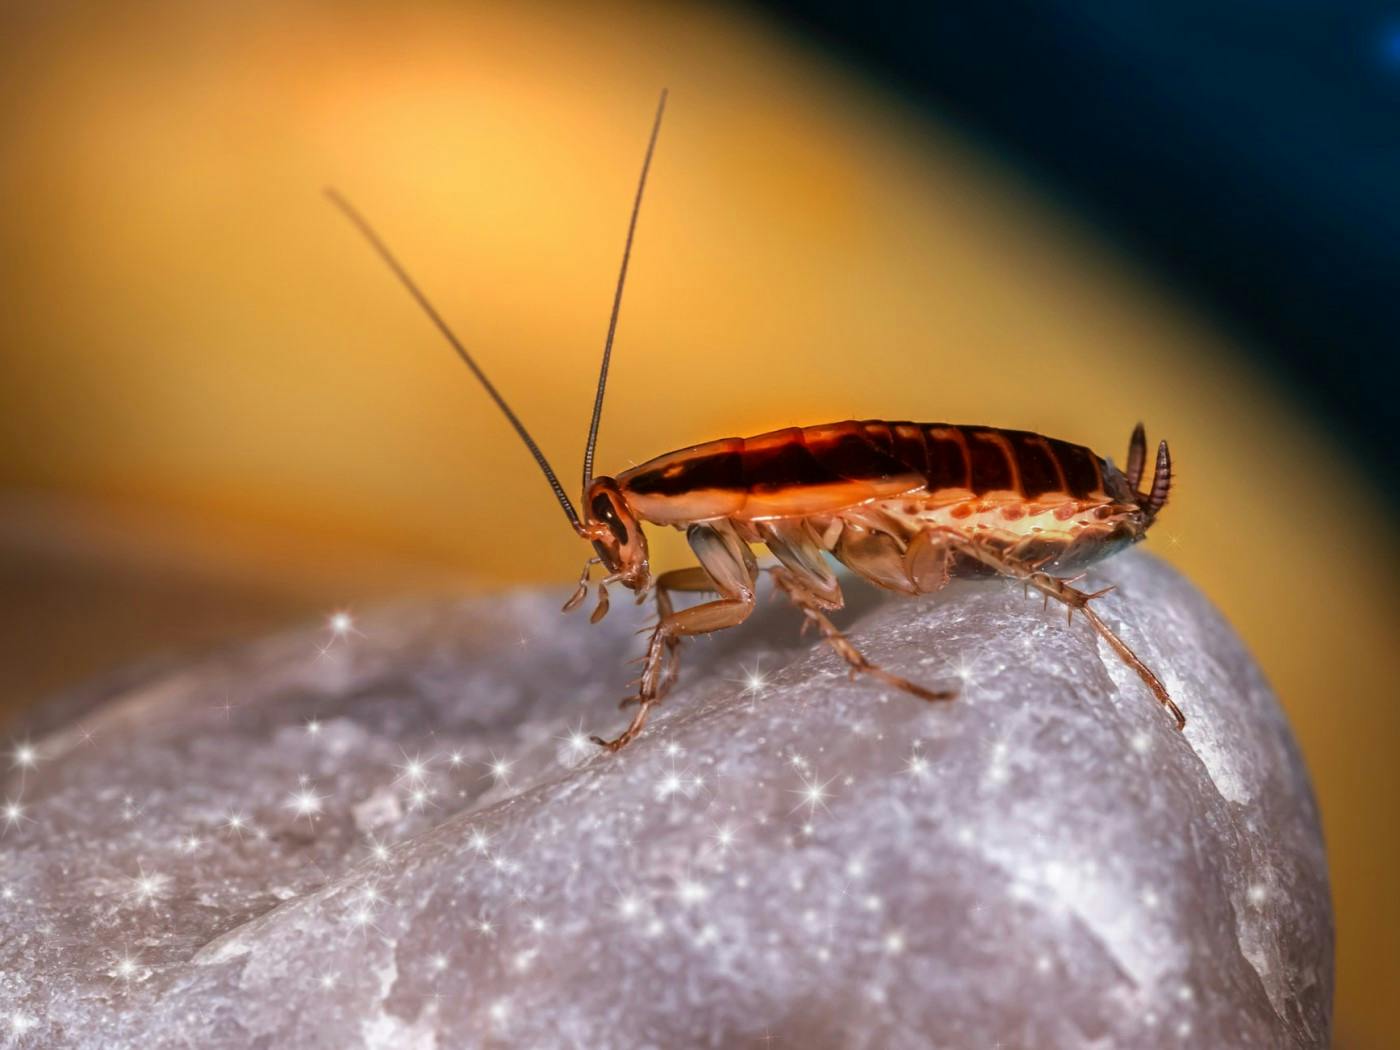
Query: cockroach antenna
{"x": 885, "y": 498}
{"x": 393, "y": 263}
{"x": 617, "y": 299}
{"x": 377, "y": 243}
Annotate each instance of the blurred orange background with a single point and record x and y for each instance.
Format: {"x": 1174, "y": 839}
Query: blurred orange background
{"x": 220, "y": 413}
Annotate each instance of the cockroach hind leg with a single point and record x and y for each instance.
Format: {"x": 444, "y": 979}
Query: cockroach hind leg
{"x": 912, "y": 688}
{"x": 1075, "y": 599}
{"x": 1131, "y": 659}
{"x": 1053, "y": 587}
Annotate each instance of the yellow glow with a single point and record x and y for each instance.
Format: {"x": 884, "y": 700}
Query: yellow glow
{"x": 196, "y": 343}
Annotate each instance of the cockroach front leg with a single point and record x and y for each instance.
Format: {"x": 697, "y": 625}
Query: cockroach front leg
{"x": 1074, "y": 600}
{"x": 729, "y": 568}
{"x": 581, "y": 592}
{"x": 812, "y": 605}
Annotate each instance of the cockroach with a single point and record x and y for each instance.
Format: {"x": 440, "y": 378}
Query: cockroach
{"x": 907, "y": 506}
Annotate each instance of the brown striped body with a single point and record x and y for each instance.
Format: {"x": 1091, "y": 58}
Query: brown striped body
{"x": 904, "y": 505}
{"x": 1024, "y": 494}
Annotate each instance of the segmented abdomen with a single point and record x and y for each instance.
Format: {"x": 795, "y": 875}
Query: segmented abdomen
{"x": 985, "y": 459}
{"x": 816, "y": 469}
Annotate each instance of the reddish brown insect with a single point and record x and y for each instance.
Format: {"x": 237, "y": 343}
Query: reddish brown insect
{"x": 907, "y": 506}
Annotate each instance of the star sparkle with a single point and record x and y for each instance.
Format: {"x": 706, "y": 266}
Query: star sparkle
{"x": 917, "y": 767}
{"x": 378, "y": 851}
{"x": 414, "y": 770}
{"x": 691, "y": 891}
{"x": 305, "y": 802}
{"x": 723, "y": 838}
{"x": 364, "y": 909}
{"x": 340, "y": 623}
{"x": 148, "y": 887}
{"x": 753, "y": 683}
{"x": 236, "y": 823}
{"x": 498, "y": 769}
{"x": 678, "y": 781}
{"x": 21, "y": 1022}
{"x": 575, "y": 746}
{"x": 813, "y": 794}
{"x": 419, "y": 798}
{"x": 130, "y": 809}
{"x": 126, "y": 967}
{"x": 25, "y": 756}
{"x": 13, "y": 814}
{"x": 964, "y": 669}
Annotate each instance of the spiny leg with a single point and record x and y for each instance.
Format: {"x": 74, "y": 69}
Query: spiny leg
{"x": 698, "y": 619}
{"x": 812, "y": 606}
{"x": 1074, "y": 600}
{"x": 693, "y": 580}
{"x": 728, "y": 564}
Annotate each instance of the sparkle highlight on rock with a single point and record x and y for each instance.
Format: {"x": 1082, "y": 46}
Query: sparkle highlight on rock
{"x": 411, "y": 847}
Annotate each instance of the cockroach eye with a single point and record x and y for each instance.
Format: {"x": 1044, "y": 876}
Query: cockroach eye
{"x": 603, "y": 511}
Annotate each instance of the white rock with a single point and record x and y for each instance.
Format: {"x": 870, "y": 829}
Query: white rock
{"x": 785, "y": 858}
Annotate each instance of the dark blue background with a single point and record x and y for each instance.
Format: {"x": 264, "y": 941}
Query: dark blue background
{"x": 1248, "y": 151}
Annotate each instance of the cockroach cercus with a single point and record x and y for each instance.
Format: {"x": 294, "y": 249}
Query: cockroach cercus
{"x": 907, "y": 506}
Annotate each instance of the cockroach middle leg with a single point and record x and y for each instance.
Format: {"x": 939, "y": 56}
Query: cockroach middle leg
{"x": 812, "y": 607}
{"x": 1074, "y": 600}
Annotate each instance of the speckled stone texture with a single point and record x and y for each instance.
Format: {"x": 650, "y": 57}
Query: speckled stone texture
{"x": 394, "y": 836}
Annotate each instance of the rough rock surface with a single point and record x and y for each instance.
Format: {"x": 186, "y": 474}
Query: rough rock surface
{"x": 393, "y": 835}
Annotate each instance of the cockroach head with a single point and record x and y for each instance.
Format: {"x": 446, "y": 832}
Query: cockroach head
{"x": 616, "y": 533}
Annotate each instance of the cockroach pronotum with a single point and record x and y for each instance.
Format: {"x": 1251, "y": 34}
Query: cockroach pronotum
{"x": 907, "y": 506}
